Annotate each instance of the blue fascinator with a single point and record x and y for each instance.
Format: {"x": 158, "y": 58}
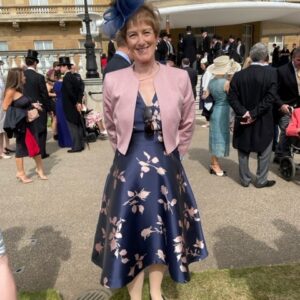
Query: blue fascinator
{"x": 116, "y": 16}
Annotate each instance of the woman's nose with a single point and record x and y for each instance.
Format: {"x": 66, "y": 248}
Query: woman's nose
{"x": 141, "y": 39}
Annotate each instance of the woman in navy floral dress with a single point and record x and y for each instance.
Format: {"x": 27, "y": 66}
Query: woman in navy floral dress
{"x": 148, "y": 217}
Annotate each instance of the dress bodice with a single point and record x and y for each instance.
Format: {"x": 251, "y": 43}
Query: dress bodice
{"x": 22, "y": 102}
{"x": 139, "y": 122}
{"x": 57, "y": 88}
{"x": 216, "y": 88}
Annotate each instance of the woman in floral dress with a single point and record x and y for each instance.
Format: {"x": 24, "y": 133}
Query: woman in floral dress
{"x": 148, "y": 217}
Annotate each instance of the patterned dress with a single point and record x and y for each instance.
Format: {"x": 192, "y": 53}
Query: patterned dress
{"x": 148, "y": 213}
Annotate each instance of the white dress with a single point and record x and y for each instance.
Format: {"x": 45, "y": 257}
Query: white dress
{"x": 2, "y": 113}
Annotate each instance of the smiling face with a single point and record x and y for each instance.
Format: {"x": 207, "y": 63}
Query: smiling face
{"x": 141, "y": 41}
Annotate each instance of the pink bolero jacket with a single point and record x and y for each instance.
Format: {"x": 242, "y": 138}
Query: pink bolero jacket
{"x": 294, "y": 124}
{"x": 176, "y": 101}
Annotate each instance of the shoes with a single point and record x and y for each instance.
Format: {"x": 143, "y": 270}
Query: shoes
{"x": 55, "y": 137}
{"x": 9, "y": 150}
{"x": 268, "y": 183}
{"x": 5, "y": 156}
{"x": 74, "y": 151}
{"x": 24, "y": 178}
{"x": 220, "y": 174}
{"x": 103, "y": 136}
{"x": 245, "y": 184}
{"x": 45, "y": 156}
{"x": 41, "y": 175}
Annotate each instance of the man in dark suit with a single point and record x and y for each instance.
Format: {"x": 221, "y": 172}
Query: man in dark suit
{"x": 72, "y": 100}
{"x": 275, "y": 56}
{"x": 252, "y": 94}
{"x": 240, "y": 49}
{"x": 185, "y": 65}
{"x": 289, "y": 96}
{"x": 206, "y": 43}
{"x": 189, "y": 45}
{"x": 35, "y": 89}
{"x": 121, "y": 58}
{"x": 111, "y": 50}
{"x": 162, "y": 49}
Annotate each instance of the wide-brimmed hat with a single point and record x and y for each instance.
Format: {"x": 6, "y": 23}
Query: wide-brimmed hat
{"x": 32, "y": 54}
{"x": 64, "y": 60}
{"x": 224, "y": 65}
{"x": 116, "y": 16}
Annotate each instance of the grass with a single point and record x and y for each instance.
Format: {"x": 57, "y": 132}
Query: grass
{"x": 259, "y": 283}
{"x": 49, "y": 294}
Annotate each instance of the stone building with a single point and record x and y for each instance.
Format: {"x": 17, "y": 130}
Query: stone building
{"x": 54, "y": 27}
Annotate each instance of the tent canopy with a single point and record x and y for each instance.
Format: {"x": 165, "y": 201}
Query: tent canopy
{"x": 231, "y": 13}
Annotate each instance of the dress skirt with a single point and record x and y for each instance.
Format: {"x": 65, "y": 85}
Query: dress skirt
{"x": 148, "y": 213}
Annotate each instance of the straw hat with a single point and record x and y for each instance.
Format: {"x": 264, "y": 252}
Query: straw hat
{"x": 224, "y": 65}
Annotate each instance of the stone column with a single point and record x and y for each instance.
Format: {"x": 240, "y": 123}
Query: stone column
{"x": 93, "y": 91}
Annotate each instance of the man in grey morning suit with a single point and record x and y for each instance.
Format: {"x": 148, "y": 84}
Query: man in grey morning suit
{"x": 252, "y": 94}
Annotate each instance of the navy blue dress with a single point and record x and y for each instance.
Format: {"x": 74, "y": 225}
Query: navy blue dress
{"x": 148, "y": 213}
{"x": 64, "y": 137}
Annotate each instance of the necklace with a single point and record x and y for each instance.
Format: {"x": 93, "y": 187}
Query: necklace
{"x": 151, "y": 74}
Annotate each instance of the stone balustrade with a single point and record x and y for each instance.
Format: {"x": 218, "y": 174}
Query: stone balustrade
{"x": 13, "y": 59}
{"x": 45, "y": 13}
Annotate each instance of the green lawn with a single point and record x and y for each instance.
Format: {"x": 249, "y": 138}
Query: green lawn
{"x": 46, "y": 295}
{"x": 260, "y": 283}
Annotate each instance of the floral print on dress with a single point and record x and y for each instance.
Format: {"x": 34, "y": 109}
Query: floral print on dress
{"x": 148, "y": 214}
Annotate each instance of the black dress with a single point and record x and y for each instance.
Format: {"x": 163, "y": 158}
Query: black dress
{"x": 21, "y": 149}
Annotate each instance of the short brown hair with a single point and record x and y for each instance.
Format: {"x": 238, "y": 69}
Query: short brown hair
{"x": 145, "y": 14}
{"x": 14, "y": 79}
{"x": 120, "y": 40}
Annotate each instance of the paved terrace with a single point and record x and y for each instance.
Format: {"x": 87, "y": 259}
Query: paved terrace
{"x": 49, "y": 226}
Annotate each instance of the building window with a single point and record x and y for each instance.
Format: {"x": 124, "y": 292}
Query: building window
{"x": 38, "y": 2}
{"x": 81, "y": 2}
{"x": 275, "y": 39}
{"x": 81, "y": 44}
{"x": 3, "y": 46}
{"x": 43, "y": 45}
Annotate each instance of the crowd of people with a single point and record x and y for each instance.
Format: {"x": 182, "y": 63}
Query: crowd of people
{"x": 149, "y": 92}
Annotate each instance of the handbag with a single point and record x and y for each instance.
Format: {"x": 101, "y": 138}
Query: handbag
{"x": 31, "y": 144}
{"x": 32, "y": 114}
{"x": 208, "y": 107}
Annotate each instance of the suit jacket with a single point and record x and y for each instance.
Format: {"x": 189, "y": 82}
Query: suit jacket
{"x": 294, "y": 125}
{"x": 176, "y": 102}
{"x": 36, "y": 90}
{"x": 287, "y": 86}
{"x": 111, "y": 50}
{"x": 70, "y": 97}
{"x": 206, "y": 44}
{"x": 162, "y": 50}
{"x": 189, "y": 45}
{"x": 116, "y": 63}
{"x": 193, "y": 78}
{"x": 253, "y": 89}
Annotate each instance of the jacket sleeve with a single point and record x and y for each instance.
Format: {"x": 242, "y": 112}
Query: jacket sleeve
{"x": 187, "y": 122}
{"x": 44, "y": 97}
{"x": 108, "y": 114}
{"x": 233, "y": 98}
{"x": 294, "y": 125}
{"x": 269, "y": 98}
